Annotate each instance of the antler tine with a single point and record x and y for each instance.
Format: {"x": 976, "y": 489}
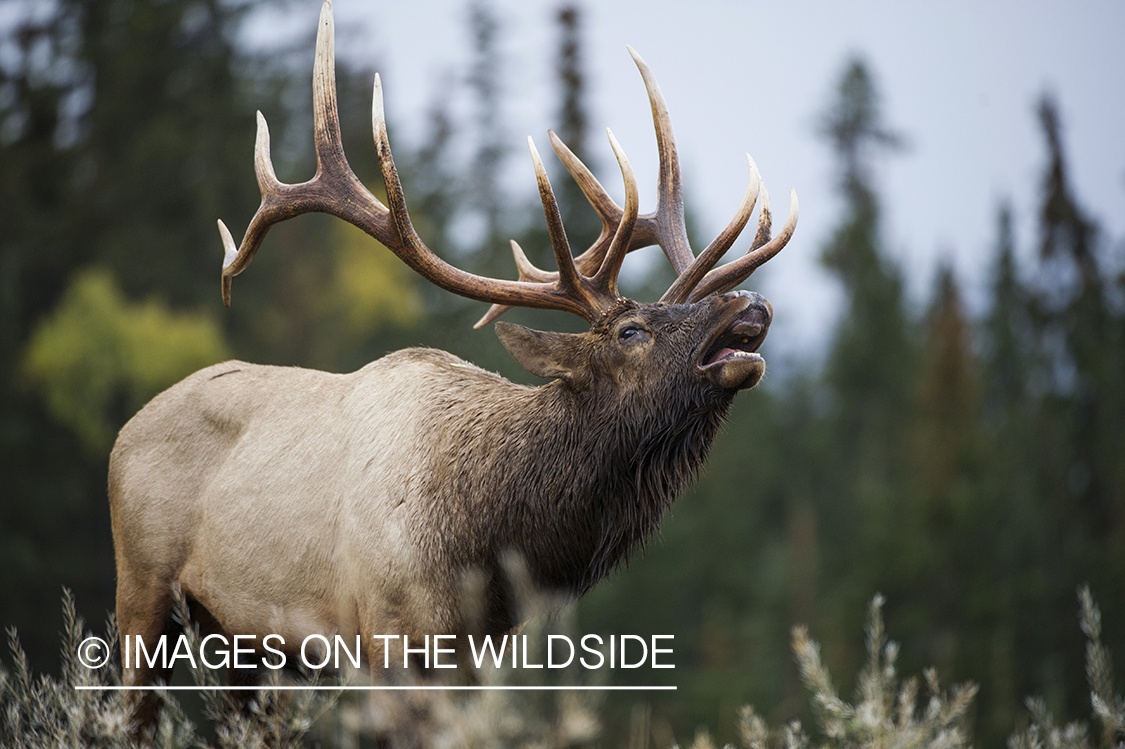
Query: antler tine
{"x": 696, "y": 277}
{"x": 644, "y": 233}
{"x": 326, "y": 114}
{"x": 665, "y": 226}
{"x": 570, "y": 280}
{"x": 528, "y": 271}
{"x": 765, "y": 221}
{"x": 568, "y": 294}
{"x": 281, "y": 201}
{"x": 671, "y": 230}
{"x": 622, "y": 229}
{"x": 725, "y": 278}
{"x": 409, "y": 245}
{"x": 607, "y": 209}
{"x": 681, "y": 289}
{"x": 606, "y": 277}
{"x": 268, "y": 185}
{"x": 590, "y": 261}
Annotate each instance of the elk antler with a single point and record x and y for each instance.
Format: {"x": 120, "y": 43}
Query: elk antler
{"x": 696, "y": 277}
{"x": 586, "y": 285}
{"x": 335, "y": 189}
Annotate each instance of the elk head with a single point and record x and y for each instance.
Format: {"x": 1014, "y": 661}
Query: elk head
{"x": 697, "y": 319}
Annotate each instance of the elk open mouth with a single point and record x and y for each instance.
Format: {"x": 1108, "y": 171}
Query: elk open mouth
{"x": 741, "y": 339}
{"x": 732, "y": 359}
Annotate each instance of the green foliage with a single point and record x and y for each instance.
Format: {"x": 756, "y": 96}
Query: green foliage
{"x": 98, "y": 354}
{"x": 370, "y": 287}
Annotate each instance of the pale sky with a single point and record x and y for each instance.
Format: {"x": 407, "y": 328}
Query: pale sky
{"x": 959, "y": 80}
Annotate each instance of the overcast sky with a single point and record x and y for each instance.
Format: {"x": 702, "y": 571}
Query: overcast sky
{"x": 959, "y": 80}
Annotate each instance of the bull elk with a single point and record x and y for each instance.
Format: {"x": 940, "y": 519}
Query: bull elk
{"x": 289, "y": 501}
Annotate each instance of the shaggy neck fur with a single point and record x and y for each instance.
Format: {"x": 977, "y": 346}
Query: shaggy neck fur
{"x": 573, "y": 482}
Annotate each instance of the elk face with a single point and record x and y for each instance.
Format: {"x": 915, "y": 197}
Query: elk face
{"x": 639, "y": 350}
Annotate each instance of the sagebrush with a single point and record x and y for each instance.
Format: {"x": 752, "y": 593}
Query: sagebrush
{"x": 887, "y": 713}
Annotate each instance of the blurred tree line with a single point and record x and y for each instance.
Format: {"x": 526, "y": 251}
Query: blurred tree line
{"x": 970, "y": 469}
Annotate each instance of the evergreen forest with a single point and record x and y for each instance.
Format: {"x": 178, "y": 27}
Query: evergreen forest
{"x": 969, "y": 468}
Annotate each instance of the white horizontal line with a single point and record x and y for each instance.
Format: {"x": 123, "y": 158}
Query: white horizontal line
{"x": 321, "y": 688}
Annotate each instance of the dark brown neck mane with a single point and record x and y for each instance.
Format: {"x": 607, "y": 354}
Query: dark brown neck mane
{"x": 573, "y": 482}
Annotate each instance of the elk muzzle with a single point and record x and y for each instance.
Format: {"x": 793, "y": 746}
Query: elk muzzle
{"x": 730, "y": 358}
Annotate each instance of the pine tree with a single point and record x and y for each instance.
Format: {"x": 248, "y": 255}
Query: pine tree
{"x": 1008, "y": 336}
{"x": 1083, "y": 348}
{"x": 949, "y": 440}
{"x": 483, "y": 186}
{"x": 582, "y": 224}
{"x": 871, "y": 352}
{"x": 1079, "y": 432}
{"x": 869, "y": 370}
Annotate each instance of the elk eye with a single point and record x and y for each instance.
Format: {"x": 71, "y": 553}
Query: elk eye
{"x": 633, "y": 334}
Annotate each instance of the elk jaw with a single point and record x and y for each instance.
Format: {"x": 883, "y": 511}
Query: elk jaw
{"x": 730, "y": 359}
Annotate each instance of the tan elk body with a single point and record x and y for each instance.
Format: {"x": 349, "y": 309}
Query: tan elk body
{"x": 288, "y": 501}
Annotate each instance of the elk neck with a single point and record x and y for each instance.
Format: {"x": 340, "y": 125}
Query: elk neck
{"x": 572, "y": 481}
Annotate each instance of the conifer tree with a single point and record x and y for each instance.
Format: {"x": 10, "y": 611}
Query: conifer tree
{"x": 1013, "y": 529}
{"x": 582, "y": 224}
{"x": 1082, "y": 346}
{"x": 1079, "y": 430}
{"x": 950, "y": 443}
{"x": 869, "y": 370}
{"x": 870, "y": 356}
{"x": 1007, "y": 333}
{"x": 483, "y": 186}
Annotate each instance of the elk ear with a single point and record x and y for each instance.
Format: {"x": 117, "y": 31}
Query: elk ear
{"x": 544, "y": 354}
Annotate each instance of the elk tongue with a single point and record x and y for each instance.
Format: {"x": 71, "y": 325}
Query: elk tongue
{"x": 720, "y": 354}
